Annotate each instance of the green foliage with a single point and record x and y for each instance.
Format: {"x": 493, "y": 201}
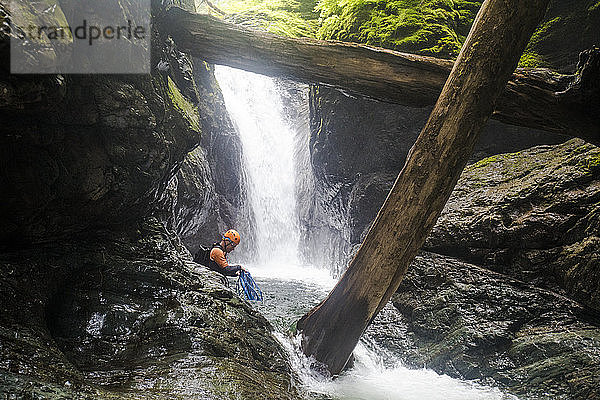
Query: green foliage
{"x": 294, "y": 18}
{"x": 430, "y": 27}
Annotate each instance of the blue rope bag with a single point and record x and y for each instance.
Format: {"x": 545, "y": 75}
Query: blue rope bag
{"x": 247, "y": 288}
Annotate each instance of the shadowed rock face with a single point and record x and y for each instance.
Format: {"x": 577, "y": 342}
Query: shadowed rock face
{"x": 359, "y": 146}
{"x": 82, "y": 152}
{"x": 532, "y": 215}
{"x": 210, "y": 189}
{"x": 126, "y": 317}
{"x": 98, "y": 155}
{"x": 98, "y": 297}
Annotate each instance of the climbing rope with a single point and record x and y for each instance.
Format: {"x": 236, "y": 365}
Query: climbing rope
{"x": 247, "y": 288}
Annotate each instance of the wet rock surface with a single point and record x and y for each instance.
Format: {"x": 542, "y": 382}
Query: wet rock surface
{"x": 88, "y": 152}
{"x": 98, "y": 297}
{"x": 472, "y": 323}
{"x": 127, "y": 317}
{"x": 532, "y": 215}
{"x": 209, "y": 188}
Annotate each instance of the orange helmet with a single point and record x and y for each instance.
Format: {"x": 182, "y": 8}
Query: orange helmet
{"x": 233, "y": 236}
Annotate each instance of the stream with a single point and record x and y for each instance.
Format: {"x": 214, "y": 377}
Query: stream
{"x": 292, "y": 288}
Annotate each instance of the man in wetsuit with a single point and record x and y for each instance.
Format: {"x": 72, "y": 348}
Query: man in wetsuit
{"x": 218, "y": 254}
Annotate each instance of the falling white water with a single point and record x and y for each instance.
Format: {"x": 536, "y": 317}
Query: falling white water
{"x": 268, "y": 144}
{"x": 291, "y": 289}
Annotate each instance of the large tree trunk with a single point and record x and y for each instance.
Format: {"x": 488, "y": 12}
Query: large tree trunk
{"x": 534, "y": 98}
{"x": 499, "y": 35}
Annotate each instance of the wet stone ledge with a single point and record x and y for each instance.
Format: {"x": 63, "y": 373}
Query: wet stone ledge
{"x": 130, "y": 317}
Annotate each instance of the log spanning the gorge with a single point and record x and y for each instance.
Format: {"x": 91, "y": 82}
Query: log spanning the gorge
{"x": 533, "y": 98}
{"x": 501, "y": 30}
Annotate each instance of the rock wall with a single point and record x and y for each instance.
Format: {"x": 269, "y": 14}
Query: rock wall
{"x": 358, "y": 147}
{"x": 83, "y": 152}
{"x": 99, "y": 298}
{"x": 532, "y": 215}
{"x": 210, "y": 186}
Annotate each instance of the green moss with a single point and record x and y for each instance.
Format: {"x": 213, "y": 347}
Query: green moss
{"x": 431, "y": 27}
{"x": 594, "y": 162}
{"x": 591, "y": 164}
{"x": 187, "y": 110}
{"x": 439, "y": 27}
{"x": 530, "y": 57}
{"x": 485, "y": 162}
{"x": 294, "y": 18}
{"x": 569, "y": 28}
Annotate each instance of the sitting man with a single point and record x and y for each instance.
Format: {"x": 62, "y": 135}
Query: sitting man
{"x": 218, "y": 254}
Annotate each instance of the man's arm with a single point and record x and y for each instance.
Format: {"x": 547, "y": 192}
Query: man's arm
{"x": 218, "y": 256}
{"x": 232, "y": 270}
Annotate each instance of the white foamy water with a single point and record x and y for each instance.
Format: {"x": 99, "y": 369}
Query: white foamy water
{"x": 255, "y": 107}
{"x": 290, "y": 288}
{"x": 371, "y": 379}
{"x": 308, "y": 274}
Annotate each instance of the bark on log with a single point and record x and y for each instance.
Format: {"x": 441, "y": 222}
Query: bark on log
{"x": 534, "y": 98}
{"x": 499, "y": 35}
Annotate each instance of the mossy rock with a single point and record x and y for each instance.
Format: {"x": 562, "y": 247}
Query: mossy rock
{"x": 532, "y": 215}
{"x": 439, "y": 28}
{"x": 434, "y": 27}
{"x": 295, "y": 18}
{"x": 183, "y": 106}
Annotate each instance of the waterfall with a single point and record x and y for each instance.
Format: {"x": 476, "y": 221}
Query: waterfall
{"x": 275, "y": 156}
{"x": 255, "y": 105}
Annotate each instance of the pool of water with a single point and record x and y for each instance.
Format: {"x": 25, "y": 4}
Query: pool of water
{"x": 290, "y": 291}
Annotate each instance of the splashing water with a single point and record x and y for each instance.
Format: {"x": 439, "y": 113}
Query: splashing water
{"x": 268, "y": 145}
{"x": 372, "y": 379}
{"x": 290, "y": 288}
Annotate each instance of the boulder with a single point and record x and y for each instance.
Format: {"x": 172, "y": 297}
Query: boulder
{"x": 532, "y": 215}
{"x": 471, "y": 323}
{"x": 131, "y": 317}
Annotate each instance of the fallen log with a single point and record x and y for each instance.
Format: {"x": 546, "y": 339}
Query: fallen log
{"x": 533, "y": 98}
{"x": 498, "y": 37}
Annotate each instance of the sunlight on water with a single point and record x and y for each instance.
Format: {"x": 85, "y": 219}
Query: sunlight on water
{"x": 371, "y": 380}
{"x": 291, "y": 289}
